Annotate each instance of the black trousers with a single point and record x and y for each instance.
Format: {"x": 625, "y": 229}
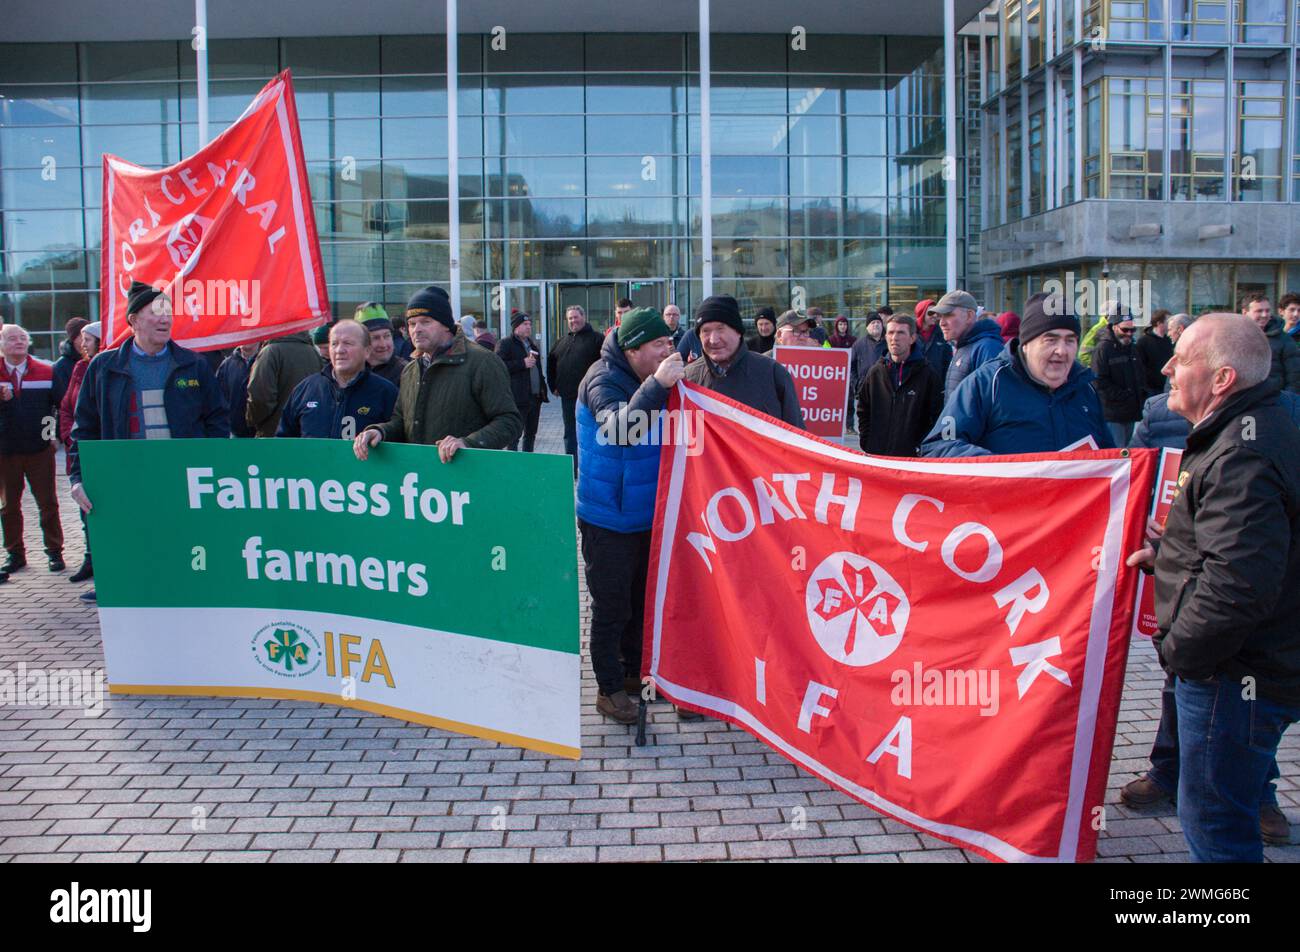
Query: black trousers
{"x": 616, "y": 564}
{"x": 532, "y": 414}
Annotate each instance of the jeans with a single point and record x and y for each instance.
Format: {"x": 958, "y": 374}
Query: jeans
{"x": 1121, "y": 433}
{"x": 1164, "y": 752}
{"x": 569, "y": 409}
{"x": 1227, "y": 746}
{"x": 616, "y": 564}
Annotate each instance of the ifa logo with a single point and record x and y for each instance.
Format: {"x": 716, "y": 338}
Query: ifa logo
{"x": 856, "y": 610}
{"x": 184, "y": 239}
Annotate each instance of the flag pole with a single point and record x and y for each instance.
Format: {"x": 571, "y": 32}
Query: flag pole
{"x": 200, "y": 44}
{"x": 453, "y": 161}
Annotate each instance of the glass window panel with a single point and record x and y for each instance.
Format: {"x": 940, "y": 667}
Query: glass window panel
{"x": 235, "y": 59}
{"x": 921, "y": 176}
{"x": 38, "y": 105}
{"x": 38, "y": 63}
{"x": 227, "y": 101}
{"x": 535, "y": 135}
{"x": 1211, "y": 288}
{"x": 742, "y": 95}
{"x": 920, "y": 217}
{"x": 632, "y": 216}
{"x": 849, "y": 257}
{"x": 869, "y": 98}
{"x": 42, "y": 230}
{"x": 44, "y": 315}
{"x": 646, "y": 51}
{"x": 427, "y": 96}
{"x": 336, "y": 98}
{"x": 741, "y": 257}
{"x": 352, "y": 262}
{"x": 626, "y": 175}
{"x": 819, "y": 95}
{"x": 866, "y": 176}
{"x": 856, "y": 53}
{"x": 916, "y": 257}
{"x": 43, "y": 269}
{"x": 745, "y": 216}
{"x": 1168, "y": 286}
{"x": 129, "y": 103}
{"x": 640, "y": 95}
{"x": 822, "y": 175}
{"x": 335, "y": 138}
{"x": 535, "y": 53}
{"x": 329, "y": 55}
{"x": 327, "y": 182}
{"x": 146, "y": 61}
{"x": 533, "y": 95}
{"x": 34, "y": 188}
{"x": 751, "y": 135}
{"x": 29, "y": 147}
{"x": 865, "y": 135}
{"x": 152, "y": 145}
{"x": 916, "y": 135}
{"x": 427, "y": 136}
{"x": 542, "y": 259}
{"x": 557, "y": 177}
{"x": 920, "y": 54}
{"x": 740, "y": 52}
{"x": 816, "y": 135}
{"x": 352, "y": 220}
{"x": 536, "y": 218}
{"x": 420, "y": 260}
{"x": 428, "y": 54}
{"x": 742, "y": 175}
{"x": 830, "y": 217}
{"x": 427, "y": 178}
{"x": 639, "y": 135}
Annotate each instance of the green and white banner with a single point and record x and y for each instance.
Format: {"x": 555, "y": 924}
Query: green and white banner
{"x": 443, "y": 594}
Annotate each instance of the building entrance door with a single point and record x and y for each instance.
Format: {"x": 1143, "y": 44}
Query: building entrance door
{"x": 527, "y": 297}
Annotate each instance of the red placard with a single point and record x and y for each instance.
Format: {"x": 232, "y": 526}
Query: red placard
{"x": 1144, "y": 617}
{"x": 229, "y": 233}
{"x": 944, "y": 640}
{"x": 822, "y": 376}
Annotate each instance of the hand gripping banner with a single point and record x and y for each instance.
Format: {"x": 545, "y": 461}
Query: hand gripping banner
{"x": 229, "y": 232}
{"x": 943, "y": 640}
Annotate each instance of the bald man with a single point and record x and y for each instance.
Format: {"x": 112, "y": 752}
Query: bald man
{"x": 1227, "y": 584}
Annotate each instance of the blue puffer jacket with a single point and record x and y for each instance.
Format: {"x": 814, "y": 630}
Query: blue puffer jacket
{"x": 317, "y": 408}
{"x": 617, "y": 483}
{"x": 981, "y": 343}
{"x": 1160, "y": 427}
{"x": 1000, "y": 410}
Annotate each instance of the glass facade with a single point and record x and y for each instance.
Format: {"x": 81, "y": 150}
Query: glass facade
{"x": 579, "y": 164}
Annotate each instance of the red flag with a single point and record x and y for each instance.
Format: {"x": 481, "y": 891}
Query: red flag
{"x": 1167, "y": 485}
{"x": 943, "y": 640}
{"x": 229, "y": 232}
{"x": 822, "y": 376}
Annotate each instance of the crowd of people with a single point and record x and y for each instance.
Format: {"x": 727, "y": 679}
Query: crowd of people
{"x": 942, "y": 381}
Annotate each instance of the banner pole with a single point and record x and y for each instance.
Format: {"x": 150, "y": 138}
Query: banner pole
{"x": 200, "y": 44}
{"x": 706, "y": 156}
{"x": 453, "y": 161}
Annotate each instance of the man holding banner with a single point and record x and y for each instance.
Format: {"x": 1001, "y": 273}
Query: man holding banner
{"x": 729, "y": 368}
{"x": 148, "y": 388}
{"x": 343, "y": 397}
{"x": 452, "y": 395}
{"x": 1227, "y": 582}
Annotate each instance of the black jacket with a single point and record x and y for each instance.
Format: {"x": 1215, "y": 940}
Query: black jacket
{"x": 569, "y": 359}
{"x": 391, "y": 369}
{"x": 1285, "y": 374}
{"x": 756, "y": 380}
{"x": 1155, "y": 352}
{"x": 757, "y": 343}
{"x": 513, "y": 351}
{"x": 1120, "y": 378}
{"x": 68, "y": 358}
{"x": 894, "y": 416}
{"x": 232, "y": 376}
{"x": 1227, "y": 574}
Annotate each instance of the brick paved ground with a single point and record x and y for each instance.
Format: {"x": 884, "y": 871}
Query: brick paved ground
{"x": 285, "y": 781}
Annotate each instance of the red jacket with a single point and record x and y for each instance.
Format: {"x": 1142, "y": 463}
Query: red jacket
{"x": 68, "y": 409}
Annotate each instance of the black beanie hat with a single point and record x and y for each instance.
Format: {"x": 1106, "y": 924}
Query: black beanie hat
{"x": 518, "y": 318}
{"x": 140, "y": 296}
{"x": 1043, "y": 313}
{"x": 433, "y": 302}
{"x": 720, "y": 307}
{"x": 768, "y": 312}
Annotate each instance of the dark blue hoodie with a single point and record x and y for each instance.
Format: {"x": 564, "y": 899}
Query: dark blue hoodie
{"x": 980, "y": 344}
{"x": 1000, "y": 410}
{"x": 317, "y": 408}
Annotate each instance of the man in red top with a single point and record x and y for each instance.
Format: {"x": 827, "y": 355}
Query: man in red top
{"x": 28, "y": 430}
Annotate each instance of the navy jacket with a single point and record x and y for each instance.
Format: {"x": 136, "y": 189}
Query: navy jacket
{"x": 232, "y": 376}
{"x": 1160, "y": 427}
{"x": 937, "y": 351}
{"x": 617, "y": 482}
{"x": 1000, "y": 409}
{"x": 192, "y": 398}
{"x": 318, "y": 408}
{"x": 981, "y": 343}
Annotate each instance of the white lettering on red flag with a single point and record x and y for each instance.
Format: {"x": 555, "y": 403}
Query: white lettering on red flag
{"x": 229, "y": 233}
{"x": 1144, "y": 618}
{"x": 943, "y": 640}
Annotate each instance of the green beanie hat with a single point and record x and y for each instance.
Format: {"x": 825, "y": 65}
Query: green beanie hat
{"x": 321, "y": 335}
{"x": 640, "y": 326}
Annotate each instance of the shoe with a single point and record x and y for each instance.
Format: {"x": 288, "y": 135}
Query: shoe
{"x": 1273, "y": 826}
{"x": 15, "y": 563}
{"x": 4, "y": 577}
{"x": 88, "y": 597}
{"x": 684, "y": 715}
{"x": 56, "y": 563}
{"x": 83, "y": 574}
{"x": 618, "y": 706}
{"x": 1143, "y": 792}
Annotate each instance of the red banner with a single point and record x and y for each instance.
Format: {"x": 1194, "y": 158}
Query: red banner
{"x": 229, "y": 232}
{"x": 1144, "y": 618}
{"x": 822, "y": 376}
{"x": 943, "y": 640}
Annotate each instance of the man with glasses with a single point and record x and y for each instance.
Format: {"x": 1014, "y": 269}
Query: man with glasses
{"x": 1120, "y": 378}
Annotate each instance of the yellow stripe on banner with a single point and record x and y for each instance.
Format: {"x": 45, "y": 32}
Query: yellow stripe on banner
{"x": 289, "y": 694}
